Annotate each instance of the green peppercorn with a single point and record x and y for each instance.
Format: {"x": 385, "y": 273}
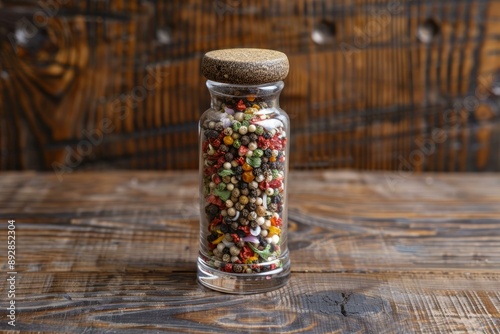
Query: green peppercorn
{"x": 259, "y": 130}
{"x": 236, "y": 126}
{"x": 258, "y": 153}
{"x": 236, "y": 143}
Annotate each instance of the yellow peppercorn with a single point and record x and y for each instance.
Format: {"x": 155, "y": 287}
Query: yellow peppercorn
{"x": 246, "y": 167}
{"x": 273, "y": 230}
{"x": 272, "y": 159}
{"x": 248, "y": 177}
{"x": 228, "y": 140}
{"x": 250, "y": 110}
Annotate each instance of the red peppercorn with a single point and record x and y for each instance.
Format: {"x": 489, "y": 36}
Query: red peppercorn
{"x": 263, "y": 185}
{"x": 216, "y": 179}
{"x": 275, "y": 184}
{"x": 241, "y": 106}
{"x": 245, "y": 229}
{"x": 216, "y": 143}
{"x": 221, "y": 161}
{"x": 246, "y": 252}
{"x": 228, "y": 267}
{"x": 241, "y": 161}
{"x": 263, "y": 143}
{"x": 235, "y": 237}
{"x": 216, "y": 221}
{"x": 242, "y": 150}
{"x": 276, "y": 143}
{"x": 214, "y": 200}
{"x": 209, "y": 171}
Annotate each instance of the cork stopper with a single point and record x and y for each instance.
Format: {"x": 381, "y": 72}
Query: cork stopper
{"x": 245, "y": 66}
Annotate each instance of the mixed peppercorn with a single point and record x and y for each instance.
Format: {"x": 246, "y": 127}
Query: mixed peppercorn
{"x": 244, "y": 160}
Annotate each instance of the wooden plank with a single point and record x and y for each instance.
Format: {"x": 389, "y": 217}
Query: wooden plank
{"x": 338, "y": 221}
{"x": 151, "y": 300}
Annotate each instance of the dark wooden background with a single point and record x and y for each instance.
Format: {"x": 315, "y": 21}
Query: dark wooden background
{"x": 373, "y": 84}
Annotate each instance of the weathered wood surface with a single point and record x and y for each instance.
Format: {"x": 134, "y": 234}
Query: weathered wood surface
{"x": 370, "y": 81}
{"x": 371, "y": 253}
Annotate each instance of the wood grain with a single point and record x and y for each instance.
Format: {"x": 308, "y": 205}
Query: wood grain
{"x": 371, "y": 252}
{"x": 366, "y": 98}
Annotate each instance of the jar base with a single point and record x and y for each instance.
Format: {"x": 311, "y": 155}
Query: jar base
{"x": 243, "y": 283}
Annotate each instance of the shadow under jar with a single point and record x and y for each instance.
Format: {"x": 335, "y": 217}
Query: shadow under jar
{"x": 243, "y": 173}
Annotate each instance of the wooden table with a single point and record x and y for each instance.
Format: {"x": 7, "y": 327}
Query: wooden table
{"x": 371, "y": 253}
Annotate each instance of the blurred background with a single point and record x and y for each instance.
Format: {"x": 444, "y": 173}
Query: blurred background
{"x": 408, "y": 85}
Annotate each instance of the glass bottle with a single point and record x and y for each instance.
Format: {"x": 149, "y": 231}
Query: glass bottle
{"x": 243, "y": 173}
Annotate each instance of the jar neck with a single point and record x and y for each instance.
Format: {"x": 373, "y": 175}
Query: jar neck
{"x": 223, "y": 95}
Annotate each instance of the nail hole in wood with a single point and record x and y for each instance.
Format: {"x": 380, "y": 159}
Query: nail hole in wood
{"x": 427, "y": 31}
{"x": 323, "y": 32}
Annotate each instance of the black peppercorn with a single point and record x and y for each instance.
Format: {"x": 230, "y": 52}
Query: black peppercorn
{"x": 245, "y": 140}
{"x": 253, "y": 137}
{"x": 223, "y": 148}
{"x": 229, "y": 157}
{"x": 268, "y": 152}
{"x": 224, "y": 228}
{"x": 245, "y": 213}
{"x": 241, "y": 233}
{"x": 233, "y": 150}
{"x": 212, "y": 210}
{"x": 212, "y": 237}
{"x": 211, "y": 133}
{"x": 251, "y": 206}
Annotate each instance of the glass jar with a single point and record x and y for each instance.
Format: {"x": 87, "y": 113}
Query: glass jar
{"x": 243, "y": 176}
